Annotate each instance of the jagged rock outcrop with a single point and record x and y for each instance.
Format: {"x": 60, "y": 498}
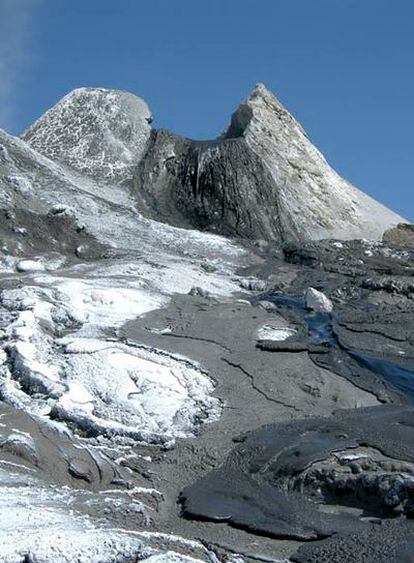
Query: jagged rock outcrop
{"x": 262, "y": 179}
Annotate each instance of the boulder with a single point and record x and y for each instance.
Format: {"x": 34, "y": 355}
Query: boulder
{"x": 401, "y": 236}
{"x": 317, "y": 301}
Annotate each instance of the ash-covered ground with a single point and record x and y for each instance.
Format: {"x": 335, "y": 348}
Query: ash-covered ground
{"x": 169, "y": 394}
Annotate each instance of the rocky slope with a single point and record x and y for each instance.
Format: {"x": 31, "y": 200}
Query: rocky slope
{"x": 262, "y": 179}
{"x": 169, "y": 394}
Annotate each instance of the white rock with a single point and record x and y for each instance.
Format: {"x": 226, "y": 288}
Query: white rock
{"x": 276, "y": 333}
{"x": 30, "y": 266}
{"x": 127, "y": 391}
{"x": 351, "y": 457}
{"x": 317, "y": 301}
{"x": 253, "y": 284}
{"x": 60, "y": 209}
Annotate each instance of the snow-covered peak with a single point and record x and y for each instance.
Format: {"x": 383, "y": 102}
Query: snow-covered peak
{"x": 99, "y": 132}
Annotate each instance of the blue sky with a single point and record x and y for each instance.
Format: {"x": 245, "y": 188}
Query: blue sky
{"x": 344, "y": 68}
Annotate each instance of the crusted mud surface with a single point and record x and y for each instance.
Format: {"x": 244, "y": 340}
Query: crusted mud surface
{"x": 340, "y": 477}
{"x": 241, "y": 466}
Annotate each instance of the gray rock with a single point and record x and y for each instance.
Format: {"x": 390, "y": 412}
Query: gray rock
{"x": 401, "y": 236}
{"x": 270, "y": 481}
{"x": 198, "y": 292}
{"x": 220, "y": 186}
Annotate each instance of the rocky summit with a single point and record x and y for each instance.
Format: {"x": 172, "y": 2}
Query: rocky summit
{"x": 206, "y": 347}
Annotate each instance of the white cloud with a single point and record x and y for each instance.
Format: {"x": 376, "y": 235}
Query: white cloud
{"x": 16, "y": 25}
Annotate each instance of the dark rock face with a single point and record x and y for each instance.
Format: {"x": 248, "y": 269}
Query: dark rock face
{"x": 220, "y": 186}
{"x": 262, "y": 179}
